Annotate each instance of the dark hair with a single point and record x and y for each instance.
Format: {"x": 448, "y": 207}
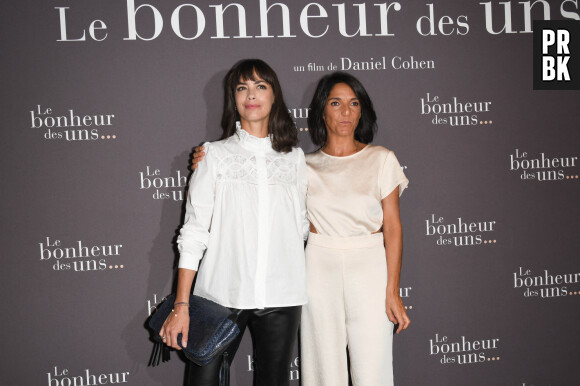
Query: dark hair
{"x": 280, "y": 124}
{"x": 367, "y": 125}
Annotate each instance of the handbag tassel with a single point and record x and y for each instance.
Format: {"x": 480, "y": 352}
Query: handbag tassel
{"x": 225, "y": 371}
{"x": 160, "y": 354}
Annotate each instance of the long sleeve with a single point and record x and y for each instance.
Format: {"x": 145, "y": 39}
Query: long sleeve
{"x": 194, "y": 234}
{"x": 302, "y": 181}
{"x": 242, "y": 231}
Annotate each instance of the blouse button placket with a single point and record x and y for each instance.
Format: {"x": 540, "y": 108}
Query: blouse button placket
{"x": 263, "y": 216}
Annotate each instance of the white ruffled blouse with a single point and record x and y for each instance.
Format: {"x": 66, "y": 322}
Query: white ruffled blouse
{"x": 245, "y": 224}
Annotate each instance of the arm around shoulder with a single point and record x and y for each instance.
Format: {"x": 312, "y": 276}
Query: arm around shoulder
{"x": 302, "y": 182}
{"x": 194, "y": 234}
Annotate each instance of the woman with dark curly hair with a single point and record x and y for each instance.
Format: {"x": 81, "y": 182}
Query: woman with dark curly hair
{"x": 245, "y": 221}
{"x": 353, "y": 256}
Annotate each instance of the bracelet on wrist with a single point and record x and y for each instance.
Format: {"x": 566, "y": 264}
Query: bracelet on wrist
{"x": 180, "y": 304}
{"x": 176, "y": 314}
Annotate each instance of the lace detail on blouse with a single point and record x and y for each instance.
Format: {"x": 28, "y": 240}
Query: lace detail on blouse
{"x": 240, "y": 168}
{"x": 246, "y": 200}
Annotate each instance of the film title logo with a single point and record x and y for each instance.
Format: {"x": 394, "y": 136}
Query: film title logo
{"x": 164, "y": 188}
{"x": 556, "y": 55}
{"x": 181, "y": 26}
{"x": 370, "y": 64}
{"x": 535, "y": 384}
{"x": 545, "y": 285}
{"x": 543, "y": 168}
{"x": 455, "y": 112}
{"x": 79, "y": 258}
{"x": 460, "y": 233}
{"x": 405, "y": 293}
{"x": 396, "y": 63}
{"x": 294, "y": 367}
{"x": 152, "y": 304}
{"x": 63, "y": 378}
{"x": 70, "y": 126}
{"x": 300, "y": 113}
{"x": 463, "y": 351}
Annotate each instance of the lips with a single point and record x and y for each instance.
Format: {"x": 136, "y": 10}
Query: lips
{"x": 252, "y": 106}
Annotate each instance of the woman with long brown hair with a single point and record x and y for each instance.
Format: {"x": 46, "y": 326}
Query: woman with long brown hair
{"x": 354, "y": 250}
{"x": 245, "y": 225}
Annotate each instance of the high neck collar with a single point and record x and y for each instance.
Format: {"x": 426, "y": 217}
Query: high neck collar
{"x": 252, "y": 142}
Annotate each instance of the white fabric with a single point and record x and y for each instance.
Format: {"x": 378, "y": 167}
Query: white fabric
{"x": 345, "y": 193}
{"x": 246, "y": 206}
{"x": 347, "y": 281}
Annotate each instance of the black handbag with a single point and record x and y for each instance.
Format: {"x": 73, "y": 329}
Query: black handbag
{"x": 212, "y": 328}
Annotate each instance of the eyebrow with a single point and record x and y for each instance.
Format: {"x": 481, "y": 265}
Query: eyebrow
{"x": 337, "y": 98}
{"x": 255, "y": 82}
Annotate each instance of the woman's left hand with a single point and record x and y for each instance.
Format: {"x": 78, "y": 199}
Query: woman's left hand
{"x": 396, "y": 311}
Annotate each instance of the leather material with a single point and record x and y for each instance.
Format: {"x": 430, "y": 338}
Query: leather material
{"x": 211, "y": 328}
{"x": 273, "y": 331}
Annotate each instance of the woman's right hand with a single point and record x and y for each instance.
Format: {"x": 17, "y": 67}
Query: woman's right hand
{"x": 198, "y": 155}
{"x": 176, "y": 323}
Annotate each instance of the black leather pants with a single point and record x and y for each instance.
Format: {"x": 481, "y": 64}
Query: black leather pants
{"x": 273, "y": 334}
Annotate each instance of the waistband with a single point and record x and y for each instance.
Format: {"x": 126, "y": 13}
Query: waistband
{"x": 353, "y": 242}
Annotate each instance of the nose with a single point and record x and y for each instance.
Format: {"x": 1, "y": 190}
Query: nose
{"x": 345, "y": 110}
{"x": 251, "y": 93}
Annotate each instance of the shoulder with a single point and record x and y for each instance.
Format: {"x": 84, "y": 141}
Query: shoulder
{"x": 383, "y": 153}
{"x": 296, "y": 152}
{"x": 375, "y": 154}
{"x": 301, "y": 155}
{"x": 220, "y": 147}
{"x": 387, "y": 160}
{"x": 313, "y": 157}
{"x": 295, "y": 155}
{"x": 378, "y": 150}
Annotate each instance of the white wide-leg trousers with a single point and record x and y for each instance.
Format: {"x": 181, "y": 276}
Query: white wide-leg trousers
{"x": 347, "y": 282}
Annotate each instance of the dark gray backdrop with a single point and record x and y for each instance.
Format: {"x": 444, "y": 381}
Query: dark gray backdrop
{"x": 95, "y": 187}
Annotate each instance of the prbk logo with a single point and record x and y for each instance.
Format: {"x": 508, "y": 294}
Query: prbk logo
{"x": 62, "y": 377}
{"x": 456, "y": 112}
{"x": 294, "y": 367}
{"x": 79, "y": 257}
{"x": 72, "y": 127}
{"x": 463, "y": 351}
{"x": 556, "y": 55}
{"x": 163, "y": 188}
{"x": 546, "y": 284}
{"x": 460, "y": 232}
{"x": 544, "y": 168}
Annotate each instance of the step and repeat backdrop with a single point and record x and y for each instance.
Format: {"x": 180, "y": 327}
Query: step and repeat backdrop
{"x": 103, "y": 101}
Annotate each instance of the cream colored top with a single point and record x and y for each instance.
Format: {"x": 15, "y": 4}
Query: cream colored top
{"x": 344, "y": 193}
